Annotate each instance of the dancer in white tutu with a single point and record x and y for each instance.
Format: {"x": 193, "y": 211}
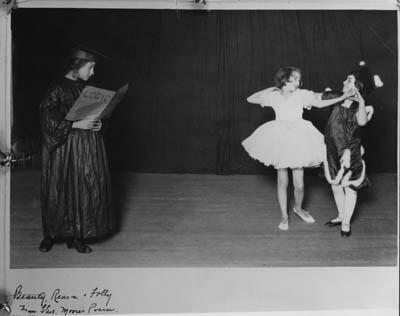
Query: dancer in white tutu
{"x": 289, "y": 141}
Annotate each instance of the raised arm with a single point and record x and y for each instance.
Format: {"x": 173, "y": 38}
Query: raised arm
{"x": 361, "y": 115}
{"x": 260, "y": 96}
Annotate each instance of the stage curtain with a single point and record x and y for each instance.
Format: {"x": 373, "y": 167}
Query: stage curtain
{"x": 190, "y": 73}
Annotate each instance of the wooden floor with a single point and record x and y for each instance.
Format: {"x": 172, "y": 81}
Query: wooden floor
{"x": 190, "y": 220}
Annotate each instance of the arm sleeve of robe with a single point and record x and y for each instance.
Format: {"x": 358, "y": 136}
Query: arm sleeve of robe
{"x": 55, "y": 129}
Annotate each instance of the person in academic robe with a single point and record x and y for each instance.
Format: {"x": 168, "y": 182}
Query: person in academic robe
{"x": 75, "y": 183}
{"x": 345, "y": 168}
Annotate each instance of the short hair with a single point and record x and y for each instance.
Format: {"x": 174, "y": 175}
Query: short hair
{"x": 283, "y": 75}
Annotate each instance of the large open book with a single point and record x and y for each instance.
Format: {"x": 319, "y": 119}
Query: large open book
{"x": 95, "y": 103}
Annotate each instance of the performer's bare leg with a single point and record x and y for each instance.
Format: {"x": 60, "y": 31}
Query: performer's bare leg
{"x": 282, "y": 185}
{"x": 298, "y": 184}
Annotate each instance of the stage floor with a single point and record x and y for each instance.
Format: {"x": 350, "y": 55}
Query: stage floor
{"x": 192, "y": 220}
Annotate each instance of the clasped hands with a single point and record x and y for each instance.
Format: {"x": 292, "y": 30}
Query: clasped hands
{"x": 354, "y": 95}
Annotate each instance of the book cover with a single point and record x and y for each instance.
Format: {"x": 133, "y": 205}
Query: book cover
{"x": 95, "y": 103}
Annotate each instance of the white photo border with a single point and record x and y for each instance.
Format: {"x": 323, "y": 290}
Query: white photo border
{"x": 270, "y": 291}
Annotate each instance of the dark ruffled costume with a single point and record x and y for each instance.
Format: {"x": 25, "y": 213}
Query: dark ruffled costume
{"x": 76, "y": 187}
{"x": 343, "y": 132}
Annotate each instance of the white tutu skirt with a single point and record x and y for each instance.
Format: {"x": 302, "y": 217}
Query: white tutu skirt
{"x": 286, "y": 144}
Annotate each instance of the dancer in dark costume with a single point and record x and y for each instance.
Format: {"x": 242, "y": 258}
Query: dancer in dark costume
{"x": 344, "y": 166}
{"x": 76, "y": 189}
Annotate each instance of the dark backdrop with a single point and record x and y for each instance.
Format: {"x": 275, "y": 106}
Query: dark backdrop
{"x": 191, "y": 71}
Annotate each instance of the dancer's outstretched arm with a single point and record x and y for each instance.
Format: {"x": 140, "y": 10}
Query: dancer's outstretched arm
{"x": 259, "y": 97}
{"x": 319, "y": 103}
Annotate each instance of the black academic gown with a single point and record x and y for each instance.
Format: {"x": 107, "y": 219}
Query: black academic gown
{"x": 75, "y": 187}
{"x": 343, "y": 132}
